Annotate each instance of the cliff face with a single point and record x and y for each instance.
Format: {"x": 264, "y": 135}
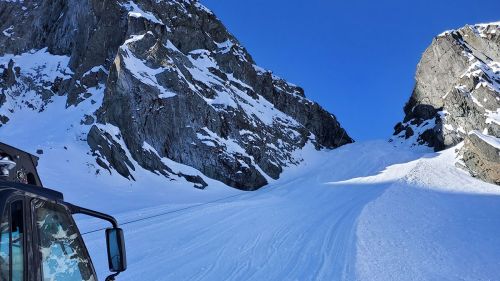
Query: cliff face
{"x": 171, "y": 84}
{"x": 457, "y": 98}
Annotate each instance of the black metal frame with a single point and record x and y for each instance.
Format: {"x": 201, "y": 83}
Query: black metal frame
{"x": 24, "y": 160}
{"x": 84, "y": 211}
{"x": 7, "y": 209}
{"x": 9, "y": 193}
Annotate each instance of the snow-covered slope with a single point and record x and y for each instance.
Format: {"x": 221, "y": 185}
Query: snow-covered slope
{"x": 67, "y": 165}
{"x": 157, "y": 81}
{"x": 366, "y": 211}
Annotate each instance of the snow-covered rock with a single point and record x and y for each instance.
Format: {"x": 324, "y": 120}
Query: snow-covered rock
{"x": 481, "y": 154}
{"x": 457, "y": 91}
{"x": 163, "y": 73}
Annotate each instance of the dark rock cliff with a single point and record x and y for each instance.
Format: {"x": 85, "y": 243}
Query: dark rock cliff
{"x": 177, "y": 86}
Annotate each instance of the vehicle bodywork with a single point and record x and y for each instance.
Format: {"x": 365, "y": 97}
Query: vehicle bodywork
{"x": 42, "y": 238}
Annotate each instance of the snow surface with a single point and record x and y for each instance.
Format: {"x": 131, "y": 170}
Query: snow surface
{"x": 8, "y": 31}
{"x": 366, "y": 211}
{"x": 141, "y": 71}
{"x": 136, "y": 12}
{"x": 96, "y": 69}
{"x": 232, "y": 95}
{"x": 40, "y": 64}
{"x": 66, "y": 162}
{"x": 481, "y": 29}
{"x": 201, "y": 7}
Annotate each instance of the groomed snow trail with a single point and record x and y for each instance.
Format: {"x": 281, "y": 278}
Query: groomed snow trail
{"x": 435, "y": 223}
{"x": 366, "y": 211}
{"x": 302, "y": 227}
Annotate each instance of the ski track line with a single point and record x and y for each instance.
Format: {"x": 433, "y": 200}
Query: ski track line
{"x": 302, "y": 228}
{"x": 289, "y": 247}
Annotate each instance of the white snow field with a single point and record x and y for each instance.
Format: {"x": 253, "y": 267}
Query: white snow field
{"x": 366, "y": 211}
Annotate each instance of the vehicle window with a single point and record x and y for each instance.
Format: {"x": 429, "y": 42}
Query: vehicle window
{"x": 4, "y": 246}
{"x": 62, "y": 250}
{"x": 12, "y": 243}
{"x": 17, "y": 240}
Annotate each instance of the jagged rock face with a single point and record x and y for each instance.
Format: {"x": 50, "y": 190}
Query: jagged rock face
{"x": 88, "y": 31}
{"x": 480, "y": 153}
{"x": 457, "y": 92}
{"x": 177, "y": 86}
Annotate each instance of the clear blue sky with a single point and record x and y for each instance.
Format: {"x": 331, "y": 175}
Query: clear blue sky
{"x": 356, "y": 58}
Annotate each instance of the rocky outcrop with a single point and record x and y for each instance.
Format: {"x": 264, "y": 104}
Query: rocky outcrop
{"x": 480, "y": 154}
{"x": 457, "y": 91}
{"x": 106, "y": 147}
{"x": 89, "y": 32}
{"x": 199, "y": 99}
{"x": 177, "y": 87}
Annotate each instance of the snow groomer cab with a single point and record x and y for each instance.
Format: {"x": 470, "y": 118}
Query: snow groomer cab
{"x": 39, "y": 239}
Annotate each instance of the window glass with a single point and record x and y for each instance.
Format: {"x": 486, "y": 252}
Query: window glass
{"x": 17, "y": 240}
{"x": 12, "y": 243}
{"x": 4, "y": 246}
{"x": 62, "y": 250}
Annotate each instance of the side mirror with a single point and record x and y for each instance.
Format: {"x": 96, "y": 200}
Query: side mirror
{"x": 117, "y": 258}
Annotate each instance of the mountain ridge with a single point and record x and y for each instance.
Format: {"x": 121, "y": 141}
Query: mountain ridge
{"x": 175, "y": 83}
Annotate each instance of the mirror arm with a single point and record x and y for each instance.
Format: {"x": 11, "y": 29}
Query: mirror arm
{"x": 112, "y": 277}
{"x": 80, "y": 210}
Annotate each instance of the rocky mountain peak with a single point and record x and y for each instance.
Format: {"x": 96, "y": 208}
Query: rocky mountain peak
{"x": 169, "y": 84}
{"x": 457, "y": 98}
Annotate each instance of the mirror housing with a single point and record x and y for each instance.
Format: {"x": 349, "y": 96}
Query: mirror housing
{"x": 117, "y": 258}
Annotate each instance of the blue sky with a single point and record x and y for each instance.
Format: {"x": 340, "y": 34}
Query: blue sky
{"x": 356, "y": 58}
